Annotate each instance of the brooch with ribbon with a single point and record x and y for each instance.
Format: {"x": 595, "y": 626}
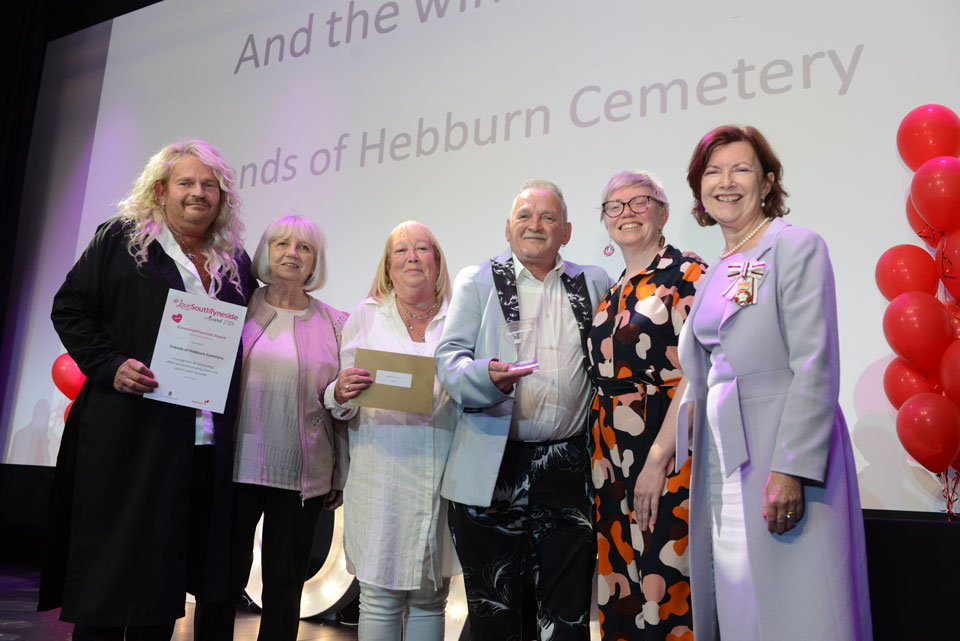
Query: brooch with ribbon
{"x": 743, "y": 290}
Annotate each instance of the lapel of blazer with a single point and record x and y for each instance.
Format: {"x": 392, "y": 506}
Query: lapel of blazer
{"x": 229, "y": 294}
{"x": 259, "y": 315}
{"x": 774, "y": 228}
{"x": 165, "y": 266}
{"x": 505, "y": 282}
{"x": 694, "y": 367}
{"x": 575, "y": 284}
{"x": 701, "y": 290}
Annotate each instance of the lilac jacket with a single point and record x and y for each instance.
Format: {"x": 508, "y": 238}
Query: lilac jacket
{"x": 322, "y": 438}
{"x": 780, "y": 413}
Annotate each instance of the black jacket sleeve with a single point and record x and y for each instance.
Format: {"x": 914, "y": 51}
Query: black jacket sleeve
{"x": 78, "y": 314}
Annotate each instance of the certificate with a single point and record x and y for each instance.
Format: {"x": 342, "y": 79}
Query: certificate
{"x": 401, "y": 382}
{"x": 196, "y": 350}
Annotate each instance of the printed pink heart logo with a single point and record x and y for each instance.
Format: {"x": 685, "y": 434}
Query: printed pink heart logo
{"x": 177, "y": 318}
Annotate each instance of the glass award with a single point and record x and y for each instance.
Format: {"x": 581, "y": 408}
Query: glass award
{"x": 518, "y": 344}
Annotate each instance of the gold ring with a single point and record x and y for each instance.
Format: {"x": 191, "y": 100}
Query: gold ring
{"x": 348, "y": 387}
{"x": 789, "y": 515}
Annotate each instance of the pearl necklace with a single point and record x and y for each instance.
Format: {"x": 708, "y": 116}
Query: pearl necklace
{"x": 733, "y": 250}
{"x": 411, "y": 316}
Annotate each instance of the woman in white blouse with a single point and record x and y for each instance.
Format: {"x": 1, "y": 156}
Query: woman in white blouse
{"x": 395, "y": 532}
{"x": 290, "y": 459}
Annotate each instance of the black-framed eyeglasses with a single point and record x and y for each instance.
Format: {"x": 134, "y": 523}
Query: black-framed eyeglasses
{"x": 637, "y": 204}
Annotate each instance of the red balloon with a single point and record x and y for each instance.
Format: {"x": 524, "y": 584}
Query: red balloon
{"x": 953, "y": 309}
{"x": 950, "y": 372}
{"x": 920, "y": 227}
{"x": 927, "y": 132}
{"x": 917, "y": 326}
{"x": 928, "y": 426}
{"x": 935, "y": 192}
{"x": 948, "y": 263}
{"x": 66, "y": 412}
{"x": 901, "y": 381}
{"x": 906, "y": 268}
{"x": 67, "y": 376}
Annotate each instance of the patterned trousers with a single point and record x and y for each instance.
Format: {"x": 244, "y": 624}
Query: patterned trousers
{"x": 539, "y": 520}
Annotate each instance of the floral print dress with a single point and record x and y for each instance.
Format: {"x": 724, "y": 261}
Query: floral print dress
{"x": 644, "y": 586}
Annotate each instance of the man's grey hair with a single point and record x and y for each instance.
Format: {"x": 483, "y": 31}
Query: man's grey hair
{"x": 546, "y": 185}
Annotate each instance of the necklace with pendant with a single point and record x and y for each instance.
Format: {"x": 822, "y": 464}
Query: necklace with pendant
{"x": 411, "y": 317}
{"x": 406, "y": 310}
{"x": 414, "y": 330}
{"x": 188, "y": 250}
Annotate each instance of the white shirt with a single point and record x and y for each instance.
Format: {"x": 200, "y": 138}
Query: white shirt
{"x": 553, "y": 403}
{"x": 193, "y": 284}
{"x": 395, "y": 525}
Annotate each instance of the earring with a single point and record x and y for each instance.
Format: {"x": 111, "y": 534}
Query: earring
{"x": 662, "y": 240}
{"x": 163, "y": 203}
{"x": 608, "y": 250}
{"x": 763, "y": 203}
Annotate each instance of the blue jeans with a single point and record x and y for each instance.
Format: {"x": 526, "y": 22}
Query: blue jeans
{"x": 382, "y": 612}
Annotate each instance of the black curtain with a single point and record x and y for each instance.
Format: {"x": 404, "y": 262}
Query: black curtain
{"x": 23, "y": 42}
{"x": 26, "y": 28}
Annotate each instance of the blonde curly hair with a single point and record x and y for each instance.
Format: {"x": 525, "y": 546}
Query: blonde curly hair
{"x": 142, "y": 210}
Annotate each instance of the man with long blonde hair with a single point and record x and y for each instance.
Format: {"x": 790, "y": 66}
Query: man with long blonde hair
{"x": 141, "y": 504}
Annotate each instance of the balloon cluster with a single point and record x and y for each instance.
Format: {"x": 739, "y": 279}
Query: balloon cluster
{"x": 68, "y": 378}
{"x": 923, "y": 382}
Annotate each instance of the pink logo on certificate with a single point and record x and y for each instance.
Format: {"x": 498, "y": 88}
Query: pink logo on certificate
{"x": 177, "y": 318}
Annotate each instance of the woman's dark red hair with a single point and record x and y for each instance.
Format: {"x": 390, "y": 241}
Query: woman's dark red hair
{"x": 774, "y": 204}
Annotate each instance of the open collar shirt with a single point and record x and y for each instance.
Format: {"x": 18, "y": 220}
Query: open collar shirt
{"x": 193, "y": 284}
{"x": 552, "y": 403}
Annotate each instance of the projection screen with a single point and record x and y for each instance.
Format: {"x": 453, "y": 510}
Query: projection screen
{"x": 363, "y": 114}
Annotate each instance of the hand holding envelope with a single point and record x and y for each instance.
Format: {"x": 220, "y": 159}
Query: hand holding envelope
{"x": 399, "y": 382}
{"x": 350, "y": 383}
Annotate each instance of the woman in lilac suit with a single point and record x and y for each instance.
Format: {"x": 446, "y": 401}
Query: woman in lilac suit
{"x": 776, "y": 532}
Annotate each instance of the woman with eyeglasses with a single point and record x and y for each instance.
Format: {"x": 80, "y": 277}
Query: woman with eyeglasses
{"x": 641, "y": 503}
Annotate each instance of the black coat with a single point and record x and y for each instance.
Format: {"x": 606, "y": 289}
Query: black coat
{"x": 119, "y": 553}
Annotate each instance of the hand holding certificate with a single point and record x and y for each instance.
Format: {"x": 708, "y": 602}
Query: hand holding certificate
{"x": 196, "y": 350}
{"x": 401, "y": 382}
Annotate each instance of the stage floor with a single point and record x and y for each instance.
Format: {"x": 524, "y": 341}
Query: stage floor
{"x": 20, "y": 621}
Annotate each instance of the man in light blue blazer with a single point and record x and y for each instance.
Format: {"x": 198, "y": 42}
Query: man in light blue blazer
{"x": 517, "y": 474}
